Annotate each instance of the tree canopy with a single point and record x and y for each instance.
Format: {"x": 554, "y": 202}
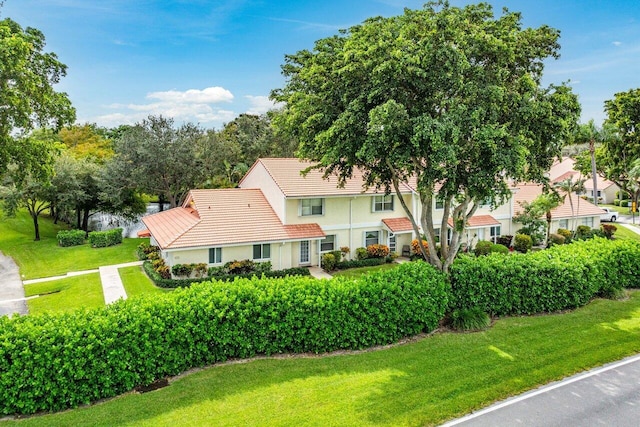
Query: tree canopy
{"x": 448, "y": 97}
{"x": 621, "y": 153}
{"x": 27, "y": 95}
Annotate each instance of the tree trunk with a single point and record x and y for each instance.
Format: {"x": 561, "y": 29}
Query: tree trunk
{"x": 78, "y": 220}
{"x": 36, "y": 226}
{"x": 160, "y": 202}
{"x": 594, "y": 172}
{"x": 85, "y": 220}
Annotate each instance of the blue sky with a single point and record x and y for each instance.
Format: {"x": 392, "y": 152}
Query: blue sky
{"x": 208, "y": 61}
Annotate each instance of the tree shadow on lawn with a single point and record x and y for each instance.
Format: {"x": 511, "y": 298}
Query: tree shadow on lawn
{"x": 424, "y": 382}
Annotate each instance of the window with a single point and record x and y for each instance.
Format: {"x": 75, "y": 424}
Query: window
{"x": 563, "y": 223}
{"x": 439, "y": 203}
{"x": 328, "y": 244}
{"x": 436, "y": 231}
{"x": 262, "y": 251}
{"x": 215, "y": 255}
{"x": 495, "y": 233}
{"x": 371, "y": 238}
{"x": 311, "y": 207}
{"x": 383, "y": 203}
{"x": 588, "y": 221}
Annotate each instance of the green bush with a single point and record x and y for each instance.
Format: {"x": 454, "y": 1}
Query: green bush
{"x": 483, "y": 247}
{"x": 505, "y": 240}
{"x": 184, "y": 270}
{"x": 523, "y": 243}
{"x": 145, "y": 251}
{"x": 565, "y": 233}
{"x": 329, "y": 261}
{"x": 583, "y": 232}
{"x": 367, "y": 262}
{"x": 50, "y": 362}
{"x": 499, "y": 249}
{"x": 608, "y": 230}
{"x": 361, "y": 253}
{"x": 624, "y": 203}
{"x": 102, "y": 239}
{"x": 616, "y": 202}
{"x": 68, "y": 238}
{"x": 559, "y": 278}
{"x": 470, "y": 319}
{"x": 556, "y": 239}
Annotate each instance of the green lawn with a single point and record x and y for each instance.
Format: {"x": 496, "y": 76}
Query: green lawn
{"x": 624, "y": 233}
{"x": 357, "y": 272}
{"x": 45, "y": 258}
{"x": 421, "y": 383}
{"x": 136, "y": 282}
{"x": 66, "y": 294}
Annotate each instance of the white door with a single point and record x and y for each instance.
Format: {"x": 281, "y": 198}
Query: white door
{"x": 304, "y": 252}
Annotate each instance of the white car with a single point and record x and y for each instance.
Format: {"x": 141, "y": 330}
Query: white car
{"x": 609, "y": 215}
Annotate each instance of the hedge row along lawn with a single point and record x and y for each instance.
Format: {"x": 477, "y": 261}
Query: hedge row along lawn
{"x": 421, "y": 383}
{"x": 45, "y": 258}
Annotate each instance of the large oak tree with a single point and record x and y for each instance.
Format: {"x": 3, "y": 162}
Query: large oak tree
{"x": 449, "y": 97}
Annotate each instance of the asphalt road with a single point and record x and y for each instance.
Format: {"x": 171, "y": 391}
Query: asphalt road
{"x": 11, "y": 290}
{"x": 606, "y": 396}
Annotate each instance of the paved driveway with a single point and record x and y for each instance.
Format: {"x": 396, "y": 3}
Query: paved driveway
{"x": 11, "y": 290}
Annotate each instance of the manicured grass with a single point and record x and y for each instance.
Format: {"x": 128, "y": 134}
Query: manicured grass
{"x": 66, "y": 294}
{"x": 357, "y": 272}
{"x": 421, "y": 383}
{"x": 136, "y": 282}
{"x": 624, "y": 233}
{"x": 45, "y": 258}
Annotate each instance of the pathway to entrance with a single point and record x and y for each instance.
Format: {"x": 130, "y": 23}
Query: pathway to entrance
{"x": 11, "y": 290}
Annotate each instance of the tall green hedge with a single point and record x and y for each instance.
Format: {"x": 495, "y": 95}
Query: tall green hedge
{"x": 102, "y": 239}
{"x": 68, "y": 238}
{"x": 50, "y": 362}
{"x": 559, "y": 278}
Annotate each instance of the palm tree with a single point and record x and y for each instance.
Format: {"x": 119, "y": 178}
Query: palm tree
{"x": 592, "y": 134}
{"x": 569, "y": 187}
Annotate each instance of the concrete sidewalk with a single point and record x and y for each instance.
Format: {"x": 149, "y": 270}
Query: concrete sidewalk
{"x": 112, "y": 286}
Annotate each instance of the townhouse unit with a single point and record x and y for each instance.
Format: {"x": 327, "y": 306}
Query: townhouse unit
{"x": 290, "y": 218}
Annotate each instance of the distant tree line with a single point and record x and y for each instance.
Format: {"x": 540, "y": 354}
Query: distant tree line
{"x": 84, "y": 169}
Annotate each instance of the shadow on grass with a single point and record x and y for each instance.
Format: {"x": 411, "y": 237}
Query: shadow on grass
{"x": 420, "y": 383}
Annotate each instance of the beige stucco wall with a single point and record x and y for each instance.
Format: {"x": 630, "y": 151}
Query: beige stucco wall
{"x": 281, "y": 255}
{"x": 259, "y": 178}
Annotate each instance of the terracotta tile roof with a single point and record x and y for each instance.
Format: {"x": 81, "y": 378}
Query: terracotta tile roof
{"x": 566, "y": 170}
{"x": 565, "y": 176}
{"x": 223, "y": 217}
{"x": 528, "y": 193}
{"x": 144, "y": 233}
{"x": 478, "y": 221}
{"x": 398, "y": 225}
{"x": 286, "y": 173}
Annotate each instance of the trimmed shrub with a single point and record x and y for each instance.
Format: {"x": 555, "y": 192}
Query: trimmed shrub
{"x": 483, "y": 247}
{"x": 624, "y": 203}
{"x": 368, "y": 262}
{"x": 415, "y": 247}
{"x": 523, "y": 243}
{"x": 361, "y": 253}
{"x": 470, "y": 319}
{"x": 145, "y": 251}
{"x": 505, "y": 240}
{"x": 102, "y": 239}
{"x": 182, "y": 270}
{"x": 565, "y": 233}
{"x": 329, "y": 261}
{"x": 240, "y": 267}
{"x": 556, "y": 239}
{"x": 377, "y": 251}
{"x": 616, "y": 202}
{"x": 583, "y": 232}
{"x": 559, "y": 278}
{"x": 59, "y": 361}
{"x": 499, "y": 249}
{"x": 608, "y": 230}
{"x": 68, "y": 238}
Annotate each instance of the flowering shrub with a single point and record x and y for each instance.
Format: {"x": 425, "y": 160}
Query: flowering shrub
{"x": 377, "y": 251}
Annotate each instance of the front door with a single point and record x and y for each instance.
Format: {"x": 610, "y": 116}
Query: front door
{"x": 304, "y": 252}
{"x": 392, "y": 243}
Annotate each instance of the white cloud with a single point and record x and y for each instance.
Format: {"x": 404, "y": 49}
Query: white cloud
{"x": 210, "y": 95}
{"x": 193, "y": 105}
{"x": 260, "y": 104}
{"x": 616, "y": 43}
